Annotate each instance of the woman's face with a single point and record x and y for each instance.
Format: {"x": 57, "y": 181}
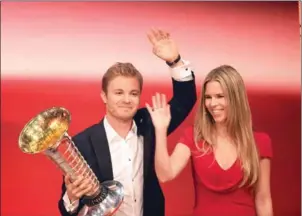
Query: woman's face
{"x": 215, "y": 101}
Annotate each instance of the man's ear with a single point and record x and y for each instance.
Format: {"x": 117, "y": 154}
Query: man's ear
{"x": 104, "y": 97}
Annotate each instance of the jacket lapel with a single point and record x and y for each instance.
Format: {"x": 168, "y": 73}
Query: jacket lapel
{"x": 101, "y": 149}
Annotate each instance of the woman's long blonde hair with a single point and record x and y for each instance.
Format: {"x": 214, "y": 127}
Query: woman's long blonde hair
{"x": 238, "y": 122}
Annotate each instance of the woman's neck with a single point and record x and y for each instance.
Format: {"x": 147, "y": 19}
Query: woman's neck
{"x": 221, "y": 130}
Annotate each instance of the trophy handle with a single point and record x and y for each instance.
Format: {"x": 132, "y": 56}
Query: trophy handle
{"x": 68, "y": 158}
{"x": 110, "y": 194}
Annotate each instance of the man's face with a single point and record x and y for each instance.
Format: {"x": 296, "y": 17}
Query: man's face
{"x": 122, "y": 98}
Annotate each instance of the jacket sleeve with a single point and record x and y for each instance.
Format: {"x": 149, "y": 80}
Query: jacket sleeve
{"x": 182, "y": 102}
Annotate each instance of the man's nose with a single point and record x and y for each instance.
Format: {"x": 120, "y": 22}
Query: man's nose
{"x": 127, "y": 98}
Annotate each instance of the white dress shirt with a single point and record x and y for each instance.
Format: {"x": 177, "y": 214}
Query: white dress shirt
{"x": 127, "y": 160}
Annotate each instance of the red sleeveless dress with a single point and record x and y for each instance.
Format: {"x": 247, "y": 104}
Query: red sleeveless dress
{"x": 216, "y": 191}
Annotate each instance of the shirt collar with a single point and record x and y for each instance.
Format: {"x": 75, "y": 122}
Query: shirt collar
{"x": 112, "y": 134}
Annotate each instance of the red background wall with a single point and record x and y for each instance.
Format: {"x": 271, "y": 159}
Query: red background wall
{"x": 55, "y": 53}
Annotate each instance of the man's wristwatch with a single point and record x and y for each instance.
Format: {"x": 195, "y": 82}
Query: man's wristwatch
{"x": 174, "y": 62}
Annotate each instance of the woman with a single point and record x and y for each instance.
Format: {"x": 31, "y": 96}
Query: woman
{"x": 231, "y": 163}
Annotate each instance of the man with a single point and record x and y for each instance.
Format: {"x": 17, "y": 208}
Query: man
{"x": 121, "y": 146}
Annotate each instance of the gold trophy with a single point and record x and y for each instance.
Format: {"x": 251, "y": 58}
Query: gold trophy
{"x": 47, "y": 133}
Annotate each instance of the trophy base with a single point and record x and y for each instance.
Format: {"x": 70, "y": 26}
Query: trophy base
{"x": 110, "y": 204}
